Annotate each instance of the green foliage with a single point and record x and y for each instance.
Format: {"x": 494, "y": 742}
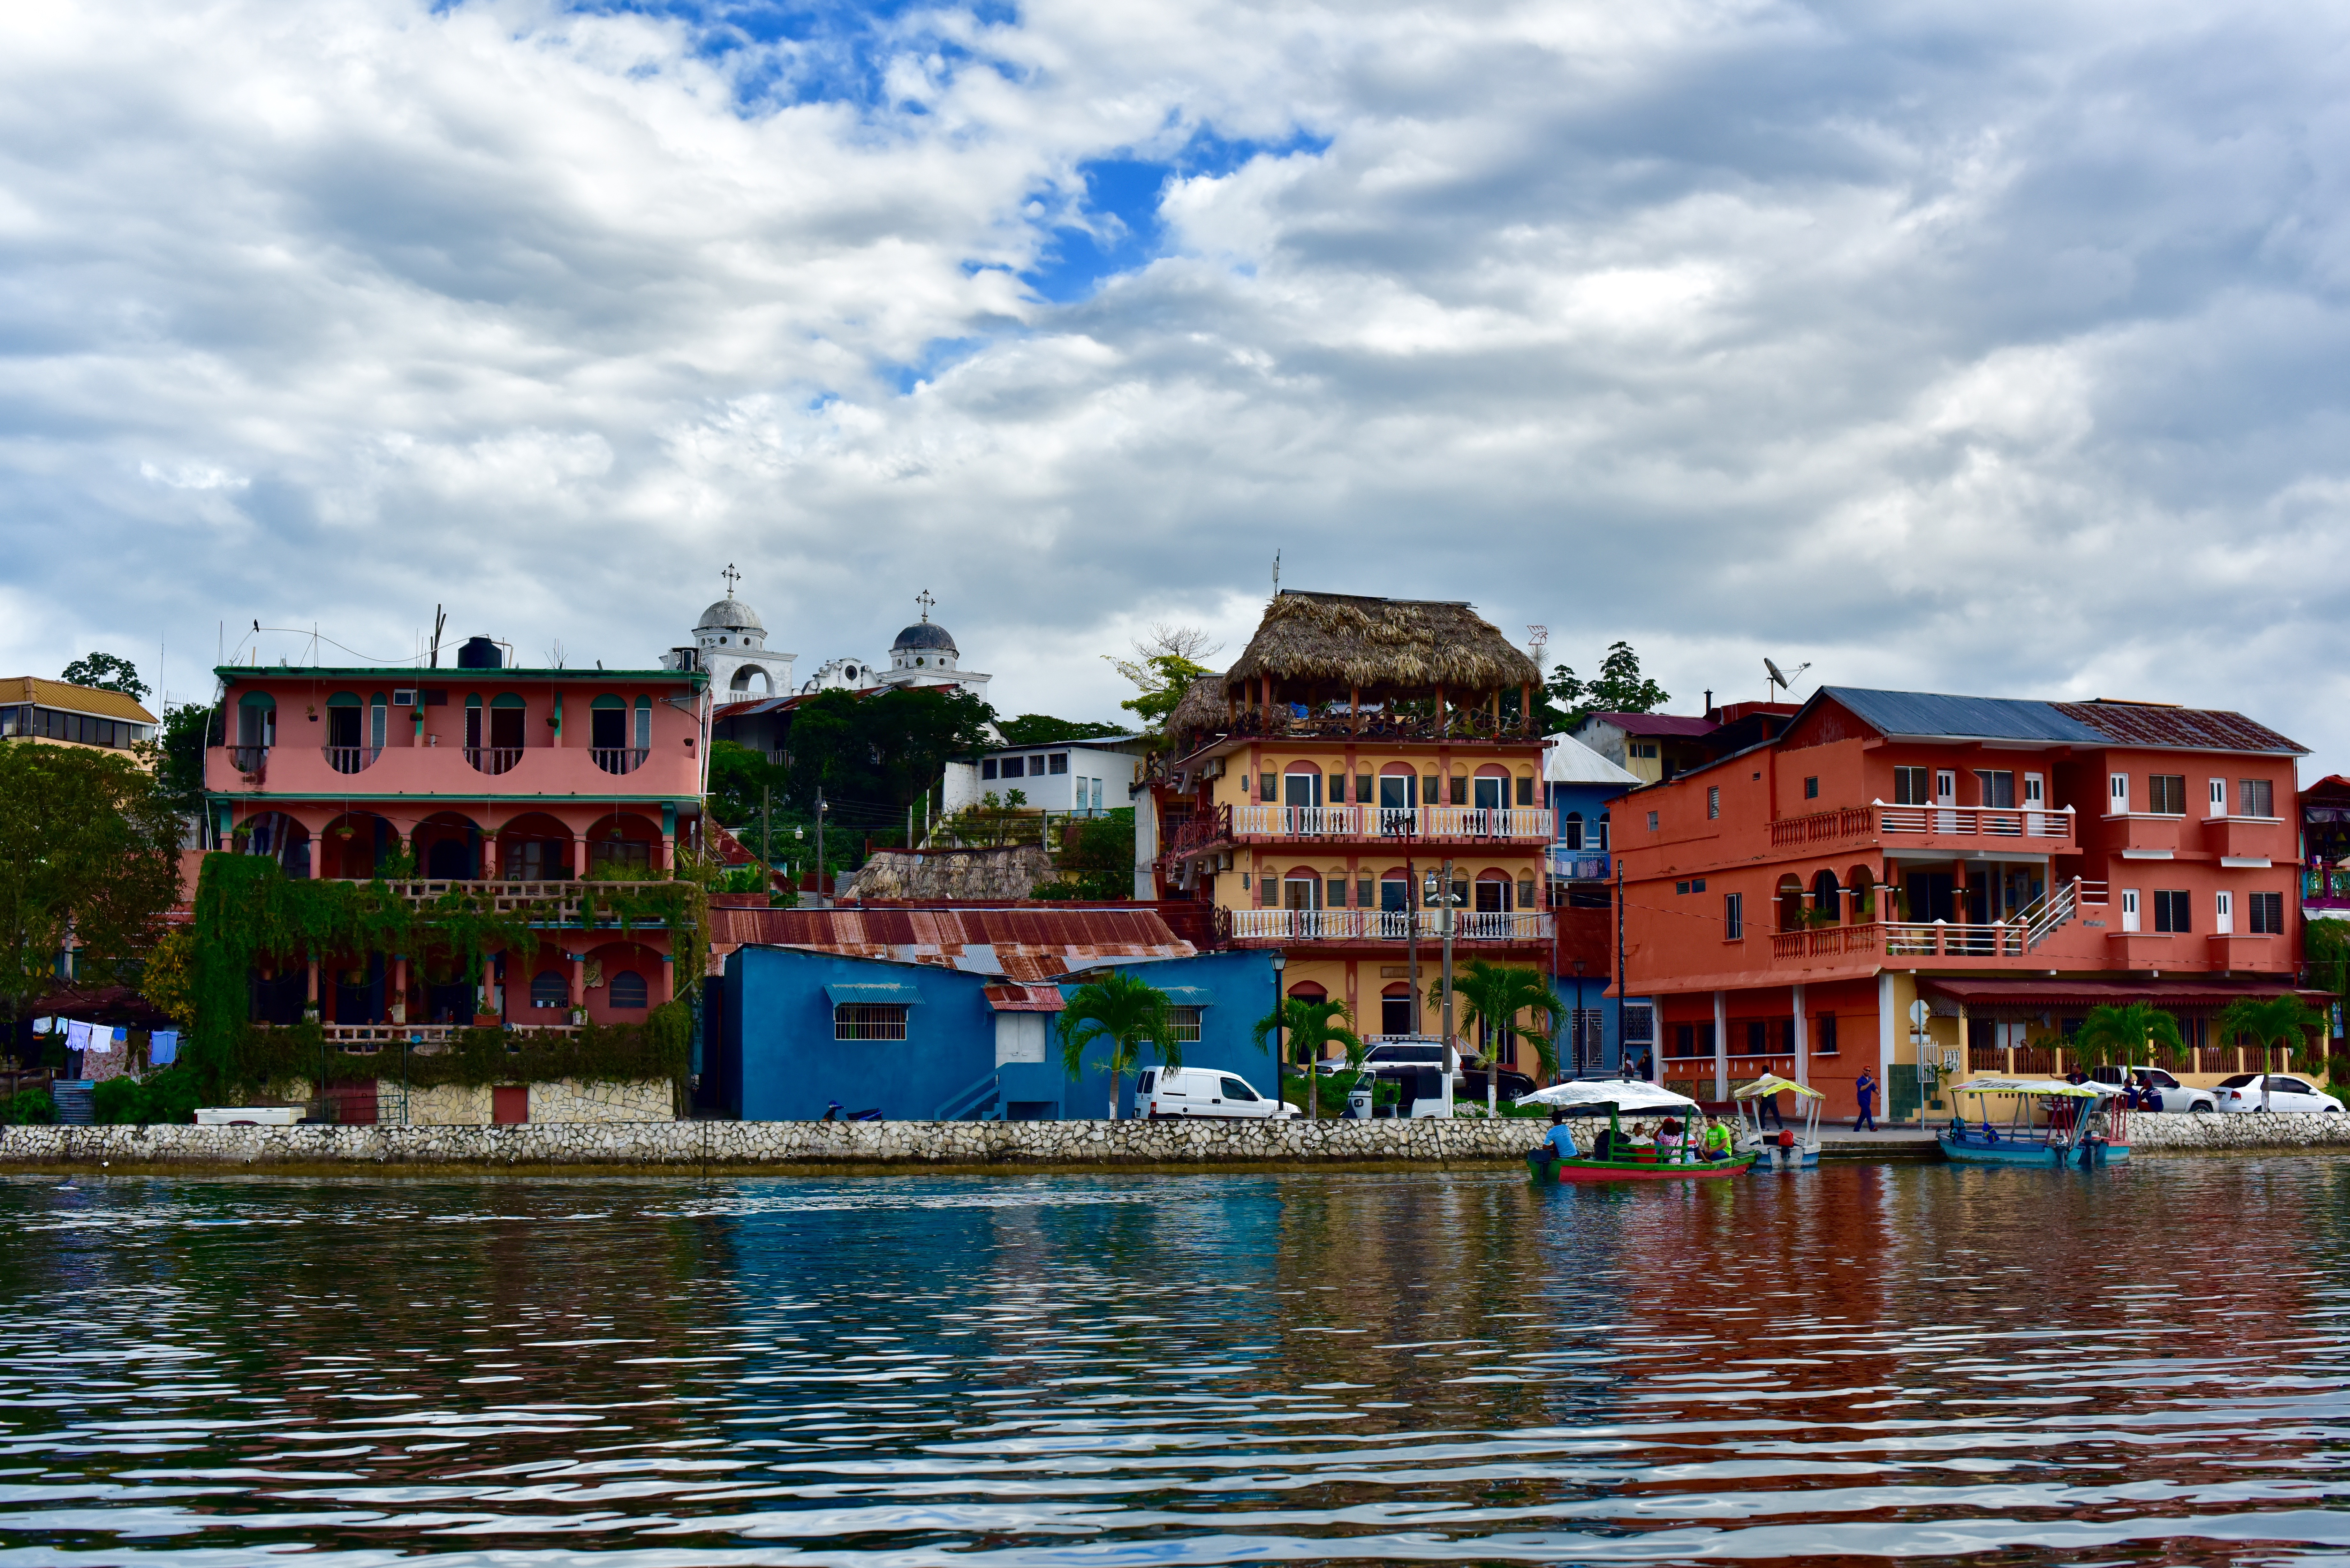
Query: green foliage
{"x": 1620, "y": 689}
{"x": 28, "y": 1108}
{"x": 1037, "y": 730}
{"x": 1162, "y": 679}
{"x": 105, "y": 672}
{"x": 168, "y": 1097}
{"x": 247, "y": 909}
{"x": 880, "y": 751}
{"x": 1130, "y": 1014}
{"x": 1495, "y": 994}
{"x": 2282, "y": 1019}
{"x": 87, "y": 844}
{"x": 1310, "y": 1026}
{"x": 737, "y": 776}
{"x": 2121, "y": 1034}
{"x": 597, "y": 1053}
{"x": 178, "y": 756}
{"x": 2325, "y": 947}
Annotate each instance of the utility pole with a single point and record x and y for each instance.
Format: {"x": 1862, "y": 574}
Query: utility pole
{"x": 822, "y": 900}
{"x": 1411, "y": 933}
{"x": 1452, "y": 1051}
{"x": 1623, "y": 1059}
{"x": 766, "y": 854}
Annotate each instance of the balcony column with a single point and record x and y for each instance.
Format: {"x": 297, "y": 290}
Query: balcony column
{"x": 1802, "y": 1043}
{"x": 667, "y": 979}
{"x": 310, "y": 979}
{"x": 1721, "y": 1046}
{"x": 489, "y": 854}
{"x": 578, "y": 979}
{"x": 578, "y": 856}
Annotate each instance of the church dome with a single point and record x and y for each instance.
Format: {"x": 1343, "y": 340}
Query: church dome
{"x": 730, "y": 615}
{"x": 924, "y": 635}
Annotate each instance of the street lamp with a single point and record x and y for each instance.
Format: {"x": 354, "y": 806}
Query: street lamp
{"x": 1280, "y": 962}
{"x": 1444, "y": 899}
{"x": 1574, "y": 1024}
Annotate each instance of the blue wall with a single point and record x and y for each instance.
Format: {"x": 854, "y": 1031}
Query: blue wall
{"x": 777, "y": 1061}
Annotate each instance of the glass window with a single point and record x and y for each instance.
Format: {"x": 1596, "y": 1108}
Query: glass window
{"x": 1187, "y": 1025}
{"x": 1998, "y": 787}
{"x": 2256, "y": 797}
{"x": 2171, "y": 910}
{"x": 1236, "y": 1090}
{"x": 1058, "y": 764}
{"x": 644, "y": 742}
{"x": 869, "y": 1021}
{"x": 1912, "y": 786}
{"x": 1712, "y": 801}
{"x": 1812, "y": 787}
{"x": 1824, "y": 1026}
{"x": 550, "y": 989}
{"x": 1734, "y": 917}
{"x": 2267, "y": 914}
{"x": 1015, "y": 767}
{"x": 987, "y": 767}
{"x": 2166, "y": 793}
{"x": 629, "y": 990}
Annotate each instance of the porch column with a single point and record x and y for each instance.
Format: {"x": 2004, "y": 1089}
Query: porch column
{"x": 1885, "y": 1026}
{"x": 668, "y": 978}
{"x": 578, "y": 854}
{"x": 579, "y": 980}
{"x": 489, "y": 854}
{"x": 1721, "y": 1046}
{"x": 1803, "y": 1045}
{"x": 397, "y": 1002}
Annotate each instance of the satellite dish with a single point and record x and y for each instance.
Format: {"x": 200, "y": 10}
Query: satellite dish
{"x": 1781, "y": 681}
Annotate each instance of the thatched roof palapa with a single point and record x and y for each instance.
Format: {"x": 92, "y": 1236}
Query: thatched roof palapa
{"x": 1201, "y": 710}
{"x": 1342, "y": 641}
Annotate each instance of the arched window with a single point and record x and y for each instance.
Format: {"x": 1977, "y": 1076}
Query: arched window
{"x": 507, "y": 713}
{"x": 628, "y": 989}
{"x": 607, "y": 723}
{"x": 343, "y": 718}
{"x": 1825, "y": 896}
{"x": 1395, "y": 1009}
{"x": 1791, "y": 904}
{"x": 550, "y": 988}
{"x": 1573, "y": 830}
{"x": 256, "y": 720}
{"x": 1602, "y": 845}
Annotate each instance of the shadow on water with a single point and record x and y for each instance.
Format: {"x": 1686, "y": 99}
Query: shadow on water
{"x": 1853, "y": 1364}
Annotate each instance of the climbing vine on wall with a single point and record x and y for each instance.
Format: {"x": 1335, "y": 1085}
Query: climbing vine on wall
{"x": 599, "y": 1053}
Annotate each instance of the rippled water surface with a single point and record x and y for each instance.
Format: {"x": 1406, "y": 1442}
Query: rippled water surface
{"x": 2140, "y": 1364}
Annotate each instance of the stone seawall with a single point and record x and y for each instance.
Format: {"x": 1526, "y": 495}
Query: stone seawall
{"x": 1003, "y": 1145}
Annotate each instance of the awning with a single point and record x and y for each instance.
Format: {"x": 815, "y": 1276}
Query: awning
{"x": 851, "y": 995}
{"x": 2046, "y": 995}
{"x": 1771, "y": 1084}
{"x": 1189, "y": 996}
{"x": 1024, "y": 998}
{"x": 1632, "y": 1096}
{"x": 2055, "y": 1086}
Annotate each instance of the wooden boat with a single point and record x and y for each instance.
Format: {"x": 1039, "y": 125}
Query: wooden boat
{"x": 1614, "y": 1157}
{"x": 1782, "y": 1150}
{"x": 2084, "y": 1125}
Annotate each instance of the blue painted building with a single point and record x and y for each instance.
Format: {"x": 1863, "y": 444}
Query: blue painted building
{"x": 797, "y": 1030}
{"x": 1581, "y": 787}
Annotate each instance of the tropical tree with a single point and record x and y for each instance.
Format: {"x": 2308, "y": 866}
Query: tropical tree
{"x": 2279, "y": 1020}
{"x": 1312, "y": 1027}
{"x": 106, "y": 672}
{"x": 1620, "y": 689}
{"x": 1495, "y": 994}
{"x": 2124, "y": 1032}
{"x": 1163, "y": 667}
{"x": 1133, "y": 1015}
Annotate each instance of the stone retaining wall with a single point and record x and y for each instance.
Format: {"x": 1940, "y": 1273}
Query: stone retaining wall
{"x": 689, "y": 1146}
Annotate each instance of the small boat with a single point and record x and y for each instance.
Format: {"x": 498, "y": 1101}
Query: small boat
{"x": 1616, "y": 1157}
{"x": 2081, "y": 1124}
{"x": 1786, "y": 1150}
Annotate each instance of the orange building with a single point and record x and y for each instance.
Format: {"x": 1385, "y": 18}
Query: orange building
{"x": 1313, "y": 791}
{"x": 2008, "y": 865}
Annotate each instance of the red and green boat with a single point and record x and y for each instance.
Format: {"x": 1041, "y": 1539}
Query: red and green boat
{"x": 1615, "y": 1155}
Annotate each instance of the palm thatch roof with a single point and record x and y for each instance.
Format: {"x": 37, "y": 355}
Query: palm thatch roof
{"x": 1201, "y": 708}
{"x": 1351, "y": 640}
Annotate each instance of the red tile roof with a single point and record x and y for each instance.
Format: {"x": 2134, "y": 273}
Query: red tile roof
{"x": 1028, "y": 945}
{"x": 2195, "y": 729}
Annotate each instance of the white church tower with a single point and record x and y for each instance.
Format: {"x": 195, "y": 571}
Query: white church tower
{"x": 732, "y": 644}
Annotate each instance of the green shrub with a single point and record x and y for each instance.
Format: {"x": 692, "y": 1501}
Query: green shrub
{"x": 28, "y": 1108}
{"x": 170, "y": 1095}
{"x": 599, "y": 1054}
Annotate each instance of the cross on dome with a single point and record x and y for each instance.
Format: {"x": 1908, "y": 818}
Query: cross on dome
{"x": 924, "y": 599}
{"x": 732, "y": 577}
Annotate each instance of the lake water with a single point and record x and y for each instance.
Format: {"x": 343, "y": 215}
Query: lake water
{"x": 1856, "y": 1365}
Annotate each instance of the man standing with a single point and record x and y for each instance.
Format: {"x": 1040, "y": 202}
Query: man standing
{"x": 1867, "y": 1089}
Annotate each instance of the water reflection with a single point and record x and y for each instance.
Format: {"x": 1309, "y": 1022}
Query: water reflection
{"x": 1854, "y": 1363}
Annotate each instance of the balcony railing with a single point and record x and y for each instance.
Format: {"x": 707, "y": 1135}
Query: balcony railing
{"x": 493, "y": 759}
{"x": 351, "y": 759}
{"x": 363, "y": 1039}
{"x": 622, "y": 760}
{"x": 1881, "y": 821}
{"x": 1518, "y": 825}
{"x": 545, "y": 903}
{"x": 250, "y": 761}
{"x": 1381, "y": 925}
{"x": 1579, "y": 865}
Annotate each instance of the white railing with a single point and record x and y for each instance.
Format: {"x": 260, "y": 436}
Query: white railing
{"x": 1523, "y": 824}
{"x": 1969, "y": 822}
{"x": 1948, "y": 939}
{"x": 1388, "y": 925}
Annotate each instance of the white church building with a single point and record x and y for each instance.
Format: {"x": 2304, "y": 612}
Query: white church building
{"x": 730, "y": 641}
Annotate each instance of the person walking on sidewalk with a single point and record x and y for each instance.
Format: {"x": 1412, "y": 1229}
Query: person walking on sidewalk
{"x": 1867, "y": 1089}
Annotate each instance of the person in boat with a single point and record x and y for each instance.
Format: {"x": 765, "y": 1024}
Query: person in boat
{"x": 1718, "y": 1138}
{"x": 1559, "y": 1142}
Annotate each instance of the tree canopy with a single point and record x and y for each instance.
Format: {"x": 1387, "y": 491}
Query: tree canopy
{"x": 1041, "y": 730}
{"x": 873, "y": 756}
{"x": 1162, "y": 669}
{"x": 106, "y": 672}
{"x": 1619, "y": 688}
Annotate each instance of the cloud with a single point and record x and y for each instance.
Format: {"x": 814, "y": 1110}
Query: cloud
{"x": 1983, "y": 348}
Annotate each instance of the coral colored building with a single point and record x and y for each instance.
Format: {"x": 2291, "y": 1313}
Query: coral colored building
{"x": 515, "y": 781}
{"x": 2009, "y": 863}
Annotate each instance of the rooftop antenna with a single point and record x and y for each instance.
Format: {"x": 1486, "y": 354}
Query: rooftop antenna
{"x": 1276, "y": 573}
{"x": 1782, "y": 681}
{"x": 924, "y": 599}
{"x": 440, "y": 620}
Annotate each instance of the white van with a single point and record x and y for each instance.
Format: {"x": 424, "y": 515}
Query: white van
{"x": 1201, "y": 1091}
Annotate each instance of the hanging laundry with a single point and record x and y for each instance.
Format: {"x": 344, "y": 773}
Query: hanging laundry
{"x": 41, "y": 1025}
{"x": 162, "y": 1047}
{"x": 77, "y": 1034}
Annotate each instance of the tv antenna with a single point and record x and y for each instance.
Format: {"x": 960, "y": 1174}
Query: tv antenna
{"x": 1276, "y": 573}
{"x": 1784, "y": 682}
{"x": 1538, "y": 638}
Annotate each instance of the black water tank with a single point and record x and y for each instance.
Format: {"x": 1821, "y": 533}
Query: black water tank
{"x": 479, "y": 653}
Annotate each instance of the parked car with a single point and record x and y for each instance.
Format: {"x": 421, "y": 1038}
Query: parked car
{"x": 1201, "y": 1091}
{"x": 1404, "y": 1062}
{"x": 2285, "y": 1093}
{"x": 2170, "y": 1094}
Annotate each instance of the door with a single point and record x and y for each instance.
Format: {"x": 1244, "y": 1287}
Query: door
{"x": 1489, "y": 796}
{"x": 1946, "y": 793}
{"x": 509, "y": 1105}
{"x": 1300, "y": 793}
{"x": 1932, "y": 896}
{"x": 1398, "y": 797}
{"x": 1240, "y": 1099}
{"x": 2129, "y": 909}
{"x": 2223, "y": 916}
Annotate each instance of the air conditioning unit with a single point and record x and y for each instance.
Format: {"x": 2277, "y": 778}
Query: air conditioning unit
{"x": 1213, "y": 768}
{"x": 404, "y": 697}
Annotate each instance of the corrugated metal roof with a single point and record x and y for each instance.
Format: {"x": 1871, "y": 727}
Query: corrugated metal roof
{"x": 1030, "y": 946}
{"x": 1963, "y": 718}
{"x": 1189, "y": 996}
{"x": 1657, "y": 723}
{"x": 843, "y": 995}
{"x": 76, "y": 698}
{"x": 1566, "y": 759}
{"x": 2195, "y": 729}
{"x": 1024, "y": 998}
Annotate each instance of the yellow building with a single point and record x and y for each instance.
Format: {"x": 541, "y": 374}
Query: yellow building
{"x": 1357, "y": 747}
{"x": 54, "y": 712}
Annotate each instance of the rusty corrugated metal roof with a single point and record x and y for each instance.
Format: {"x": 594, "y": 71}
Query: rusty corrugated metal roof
{"x": 1029, "y": 946}
{"x": 2195, "y": 729}
{"x": 1024, "y": 998}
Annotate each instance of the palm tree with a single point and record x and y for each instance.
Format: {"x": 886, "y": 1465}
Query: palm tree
{"x": 1130, "y": 1014}
{"x": 1311, "y": 1026}
{"x": 1495, "y": 994}
{"x": 2125, "y": 1031}
{"x": 2283, "y": 1019}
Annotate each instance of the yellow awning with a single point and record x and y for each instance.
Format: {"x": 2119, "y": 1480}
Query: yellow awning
{"x": 1771, "y": 1084}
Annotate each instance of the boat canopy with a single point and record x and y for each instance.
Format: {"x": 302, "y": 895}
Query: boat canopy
{"x": 2056, "y": 1086}
{"x": 1771, "y": 1084}
{"x": 1629, "y": 1096}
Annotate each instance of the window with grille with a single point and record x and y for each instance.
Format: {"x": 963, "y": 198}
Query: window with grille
{"x": 873, "y": 1021}
{"x": 628, "y": 990}
{"x": 1812, "y": 787}
{"x": 1734, "y": 917}
{"x": 550, "y": 989}
{"x": 2172, "y": 911}
{"x": 1692, "y": 1040}
{"x": 2166, "y": 793}
{"x": 2255, "y": 797}
{"x": 1912, "y": 786}
{"x": 1185, "y": 1033}
{"x": 1825, "y": 1027}
{"x": 1639, "y": 1024}
{"x": 2267, "y": 914}
{"x": 1713, "y": 800}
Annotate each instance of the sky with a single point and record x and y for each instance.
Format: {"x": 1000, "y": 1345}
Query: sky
{"x": 1987, "y": 348}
